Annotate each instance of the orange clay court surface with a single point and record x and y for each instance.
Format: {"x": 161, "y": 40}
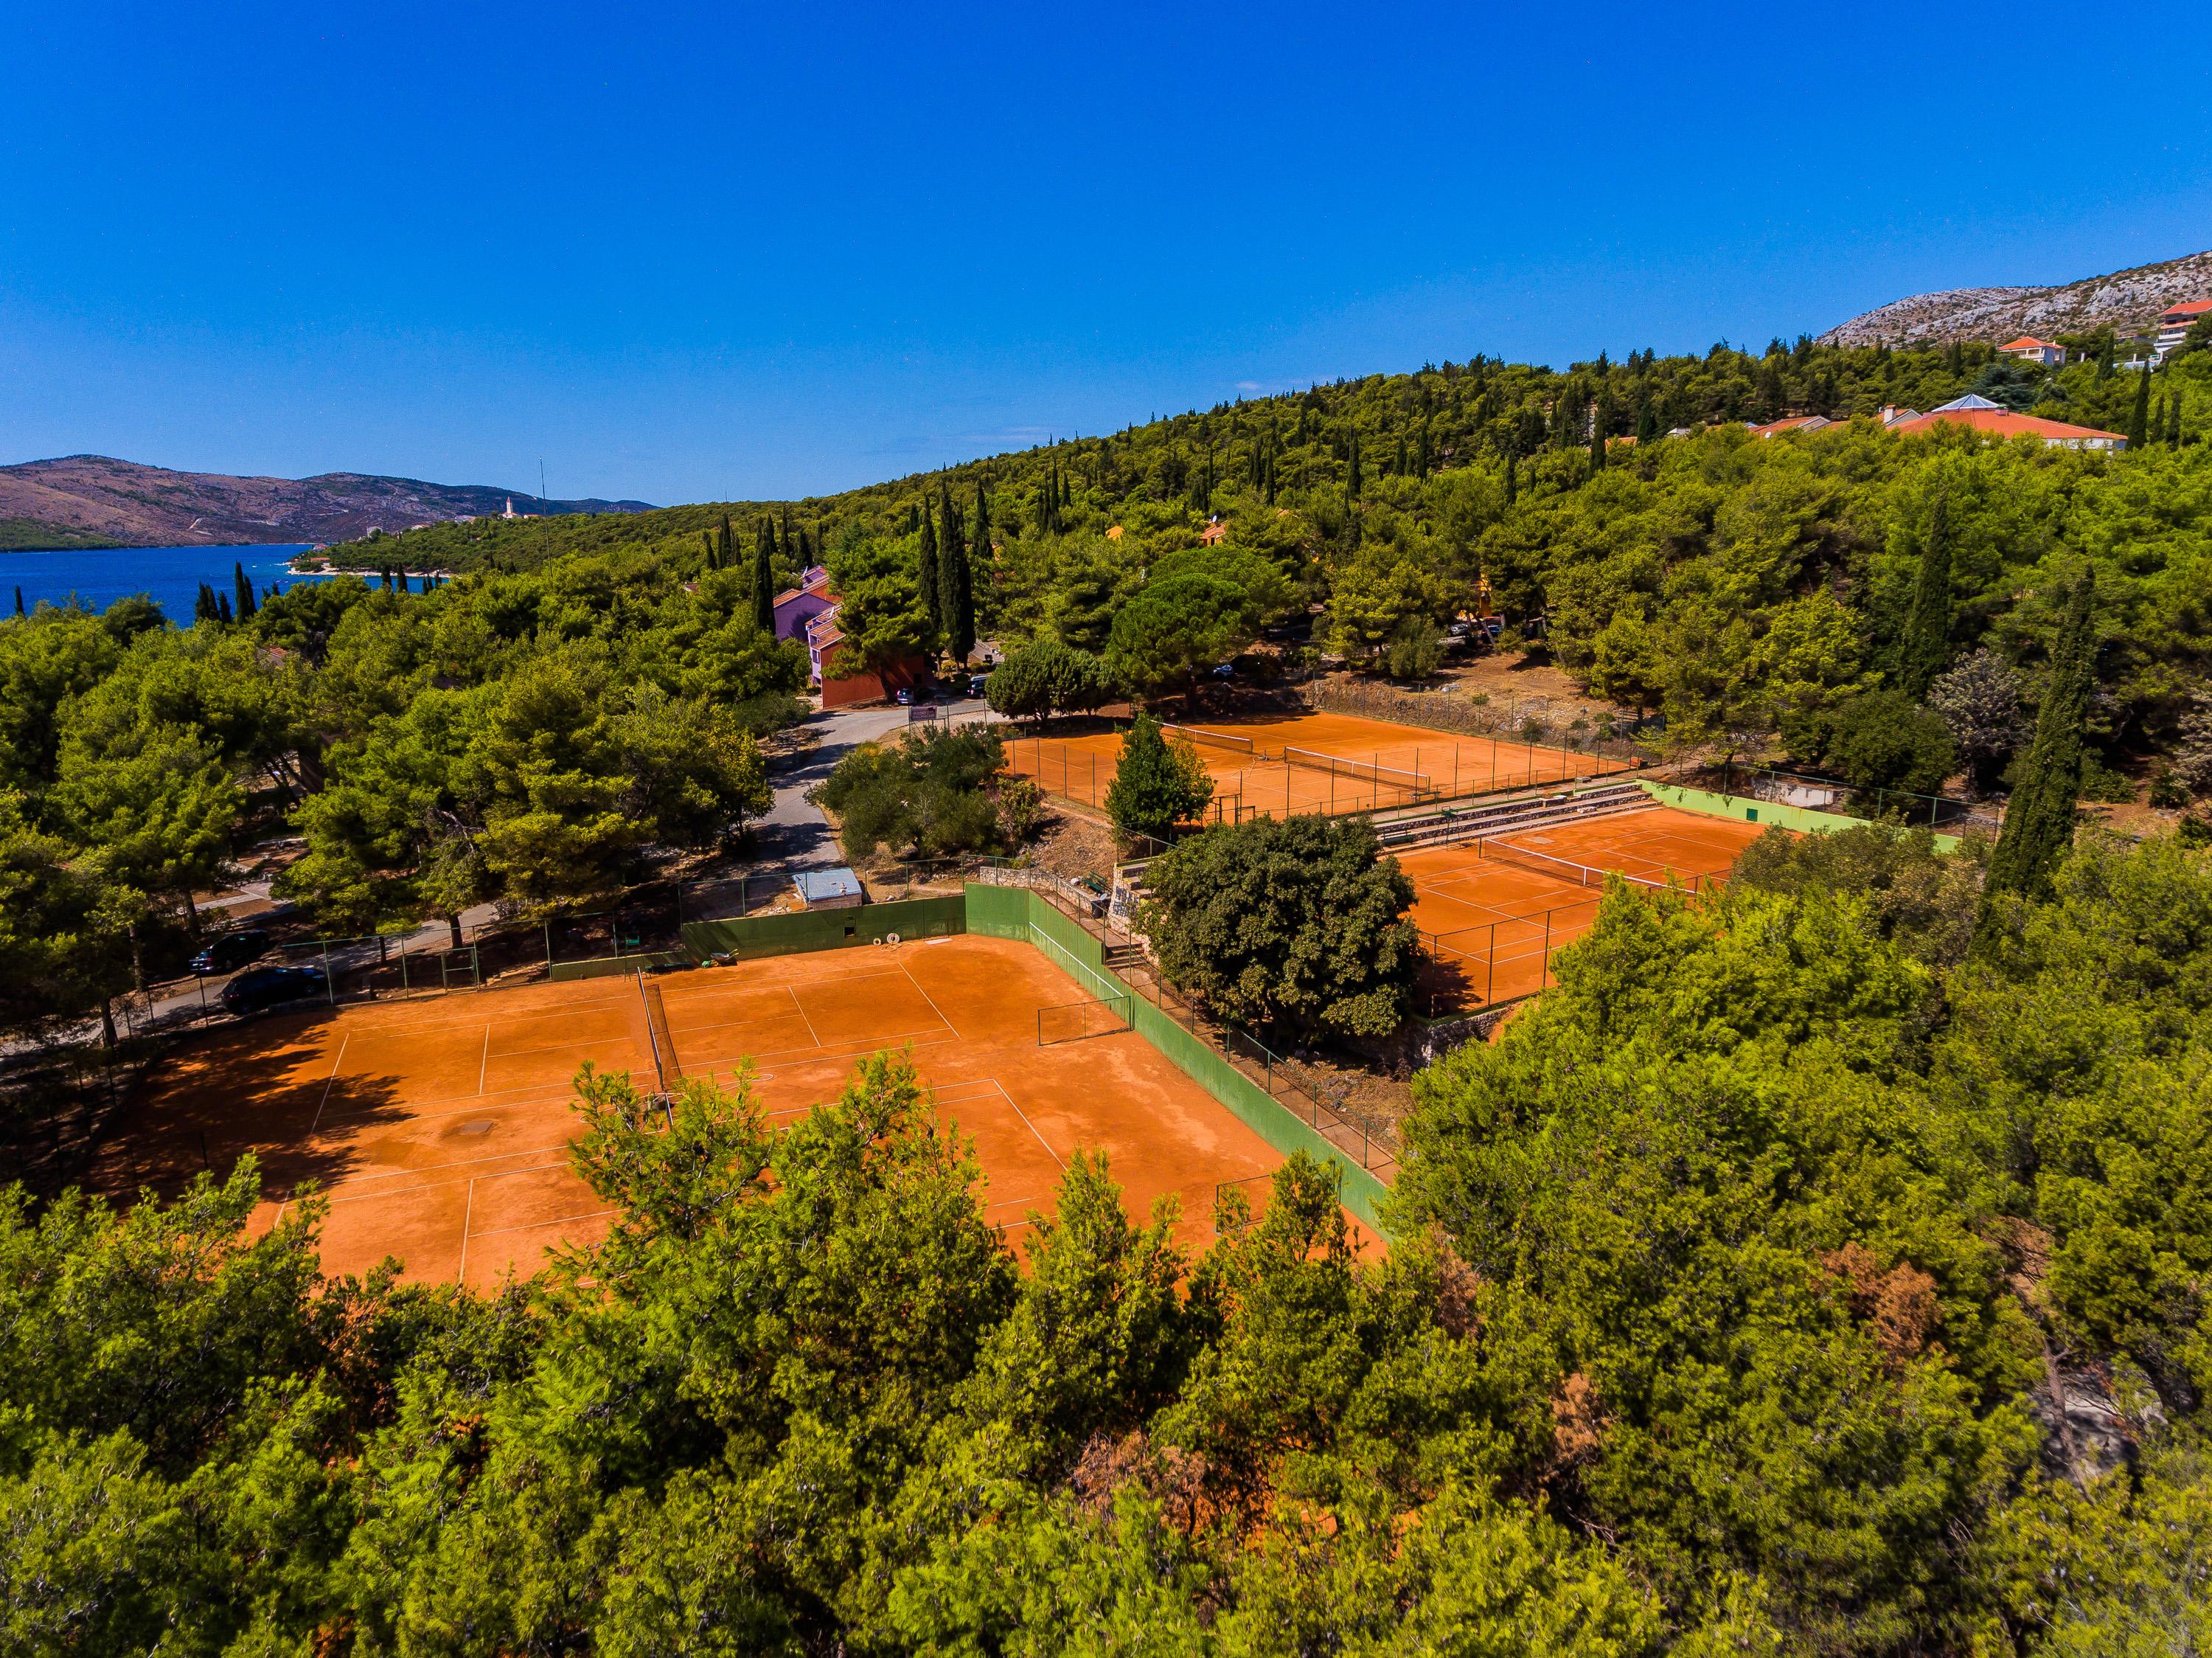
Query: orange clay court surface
{"x": 1385, "y": 765}
{"x": 439, "y": 1128}
{"x": 1492, "y": 913}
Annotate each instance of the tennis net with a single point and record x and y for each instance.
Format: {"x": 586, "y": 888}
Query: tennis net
{"x": 1199, "y": 734}
{"x": 1559, "y": 869}
{"x": 1387, "y": 776}
{"x": 656, "y": 1027}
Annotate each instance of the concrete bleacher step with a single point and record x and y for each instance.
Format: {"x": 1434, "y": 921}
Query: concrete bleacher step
{"x": 1510, "y": 816}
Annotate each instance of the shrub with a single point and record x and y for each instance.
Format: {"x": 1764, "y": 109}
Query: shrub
{"x": 1021, "y": 810}
{"x": 924, "y": 795}
{"x": 1884, "y": 740}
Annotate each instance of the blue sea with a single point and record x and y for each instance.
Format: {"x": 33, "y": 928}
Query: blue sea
{"x": 98, "y": 577}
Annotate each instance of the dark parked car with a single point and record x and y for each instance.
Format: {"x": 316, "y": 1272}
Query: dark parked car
{"x": 232, "y": 951}
{"x": 976, "y": 682}
{"x": 262, "y": 988}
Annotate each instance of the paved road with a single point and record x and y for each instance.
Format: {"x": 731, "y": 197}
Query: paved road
{"x": 795, "y": 831}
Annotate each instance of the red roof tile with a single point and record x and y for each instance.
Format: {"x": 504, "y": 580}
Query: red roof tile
{"x": 2003, "y": 423}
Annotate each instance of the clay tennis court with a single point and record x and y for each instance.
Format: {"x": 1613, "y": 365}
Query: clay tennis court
{"x": 1492, "y": 912}
{"x": 1281, "y": 764}
{"x": 439, "y": 1129}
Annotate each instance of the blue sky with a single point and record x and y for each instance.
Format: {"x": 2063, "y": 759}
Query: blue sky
{"x": 685, "y": 254}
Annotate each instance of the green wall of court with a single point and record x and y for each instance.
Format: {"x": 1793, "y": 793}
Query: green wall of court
{"x": 606, "y": 966}
{"x": 1802, "y": 819}
{"x": 1017, "y": 912}
{"x": 802, "y": 930}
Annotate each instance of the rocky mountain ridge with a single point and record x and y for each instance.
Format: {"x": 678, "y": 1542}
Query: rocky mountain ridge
{"x": 2128, "y": 301}
{"x": 86, "y": 500}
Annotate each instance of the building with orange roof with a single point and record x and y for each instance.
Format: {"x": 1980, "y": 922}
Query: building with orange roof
{"x": 2028, "y": 349}
{"x": 2176, "y": 321}
{"x": 1212, "y": 533}
{"x": 1994, "y": 420}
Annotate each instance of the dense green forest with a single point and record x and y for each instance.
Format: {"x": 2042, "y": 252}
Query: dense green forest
{"x": 1755, "y": 592}
{"x": 518, "y": 739}
{"x": 1736, "y": 1293}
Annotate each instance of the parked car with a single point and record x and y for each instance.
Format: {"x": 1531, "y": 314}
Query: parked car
{"x": 232, "y": 951}
{"x": 1226, "y": 671}
{"x": 976, "y": 682}
{"x": 259, "y": 989}
{"x": 903, "y": 697}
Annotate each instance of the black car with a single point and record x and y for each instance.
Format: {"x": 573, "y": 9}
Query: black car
{"x": 232, "y": 951}
{"x": 260, "y": 989}
{"x": 976, "y": 683}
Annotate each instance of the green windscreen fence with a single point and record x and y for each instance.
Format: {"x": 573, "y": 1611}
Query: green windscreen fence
{"x": 1081, "y": 955}
{"x": 801, "y": 930}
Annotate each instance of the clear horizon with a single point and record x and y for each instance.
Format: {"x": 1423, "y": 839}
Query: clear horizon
{"x": 718, "y": 255}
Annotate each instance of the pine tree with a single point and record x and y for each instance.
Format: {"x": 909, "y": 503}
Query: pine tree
{"x": 764, "y": 577}
{"x": 927, "y": 579}
{"x": 2039, "y": 824}
{"x": 2139, "y": 422}
{"x": 243, "y": 585}
{"x": 1927, "y": 646}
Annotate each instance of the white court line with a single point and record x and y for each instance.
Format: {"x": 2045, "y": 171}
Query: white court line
{"x": 327, "y": 1083}
{"x": 1023, "y": 1115}
{"x": 484, "y": 1064}
{"x": 461, "y": 1273}
{"x": 809, "y": 1023}
{"x": 532, "y": 1226}
{"x": 924, "y": 996}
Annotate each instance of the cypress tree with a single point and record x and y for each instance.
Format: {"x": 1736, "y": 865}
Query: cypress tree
{"x": 18, "y": 598}
{"x": 203, "y": 605}
{"x": 951, "y": 539}
{"x": 707, "y": 549}
{"x": 243, "y": 584}
{"x": 2104, "y": 346}
{"x": 2039, "y": 824}
{"x": 925, "y": 578}
{"x": 726, "y": 552}
{"x": 2139, "y": 422}
{"x": 223, "y": 607}
{"x": 962, "y": 610}
{"x": 2158, "y": 420}
{"x": 1512, "y": 479}
{"x": 1597, "y": 445}
{"x": 764, "y": 579}
{"x": 1647, "y": 422}
{"x": 1927, "y": 650}
{"x": 2173, "y": 417}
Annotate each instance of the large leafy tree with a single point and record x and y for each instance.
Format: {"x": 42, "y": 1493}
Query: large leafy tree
{"x": 1293, "y": 923}
{"x": 1174, "y": 629}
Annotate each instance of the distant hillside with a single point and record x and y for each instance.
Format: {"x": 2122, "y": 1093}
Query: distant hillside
{"x": 88, "y": 500}
{"x": 2127, "y": 301}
